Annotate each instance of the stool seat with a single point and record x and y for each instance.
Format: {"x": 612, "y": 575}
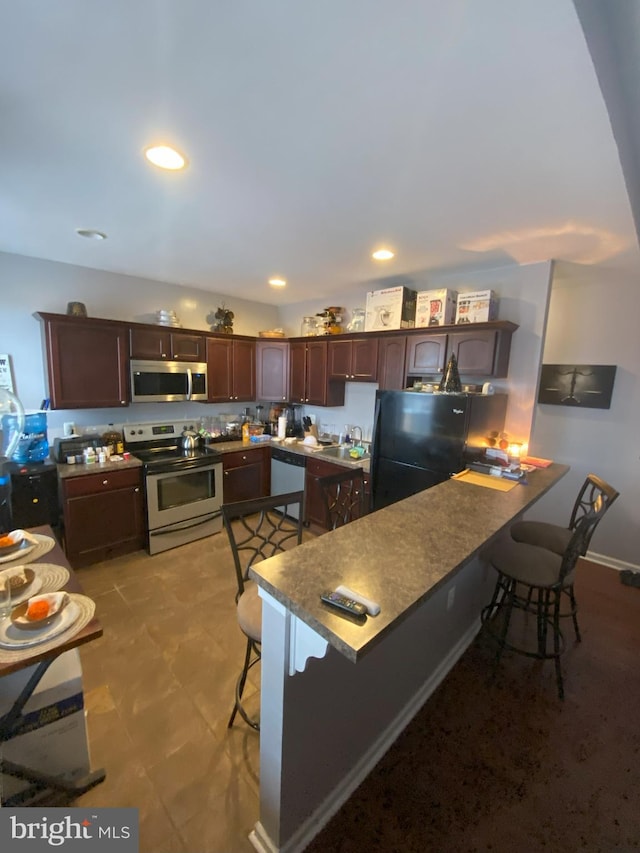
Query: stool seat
{"x": 551, "y": 536}
{"x": 250, "y": 612}
{"x": 529, "y": 564}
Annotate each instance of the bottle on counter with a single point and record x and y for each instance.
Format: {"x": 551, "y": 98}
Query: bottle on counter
{"x": 113, "y": 440}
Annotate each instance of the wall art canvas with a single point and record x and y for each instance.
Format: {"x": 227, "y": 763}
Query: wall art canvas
{"x": 586, "y": 386}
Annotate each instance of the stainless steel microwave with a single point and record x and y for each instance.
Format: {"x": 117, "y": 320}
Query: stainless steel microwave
{"x": 167, "y": 381}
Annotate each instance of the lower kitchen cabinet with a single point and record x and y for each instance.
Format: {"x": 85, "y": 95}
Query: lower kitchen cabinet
{"x": 314, "y": 503}
{"x": 103, "y": 515}
{"x": 246, "y": 474}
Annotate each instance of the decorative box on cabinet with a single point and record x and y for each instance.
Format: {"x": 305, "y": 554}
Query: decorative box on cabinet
{"x": 246, "y": 474}
{"x": 309, "y": 382}
{"x": 272, "y": 370}
{"x": 353, "y": 360}
{"x": 86, "y": 362}
{"x": 152, "y": 343}
{"x": 231, "y": 371}
{"x": 103, "y": 515}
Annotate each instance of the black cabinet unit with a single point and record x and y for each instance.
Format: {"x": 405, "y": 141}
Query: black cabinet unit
{"x": 34, "y": 495}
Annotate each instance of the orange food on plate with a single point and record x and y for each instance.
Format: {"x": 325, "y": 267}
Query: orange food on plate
{"x": 5, "y": 541}
{"x": 38, "y": 610}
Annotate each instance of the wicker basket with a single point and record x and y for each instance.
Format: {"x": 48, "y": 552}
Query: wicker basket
{"x": 272, "y": 333}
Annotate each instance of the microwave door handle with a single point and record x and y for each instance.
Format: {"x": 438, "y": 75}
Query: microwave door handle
{"x": 189, "y": 383}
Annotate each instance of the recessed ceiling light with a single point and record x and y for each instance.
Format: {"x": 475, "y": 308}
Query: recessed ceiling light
{"x": 91, "y": 234}
{"x": 383, "y": 255}
{"x": 165, "y": 157}
{"x": 277, "y": 282}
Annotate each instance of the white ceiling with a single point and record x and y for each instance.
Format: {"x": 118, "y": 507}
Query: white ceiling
{"x": 465, "y": 132}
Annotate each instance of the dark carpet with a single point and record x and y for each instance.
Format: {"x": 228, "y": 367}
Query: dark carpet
{"x": 503, "y": 765}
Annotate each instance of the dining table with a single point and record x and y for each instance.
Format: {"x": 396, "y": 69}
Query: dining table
{"x": 46, "y": 558}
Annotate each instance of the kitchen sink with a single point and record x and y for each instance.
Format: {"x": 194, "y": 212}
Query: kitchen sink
{"x": 342, "y": 453}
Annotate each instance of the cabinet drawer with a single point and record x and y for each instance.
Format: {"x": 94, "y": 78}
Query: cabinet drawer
{"x": 91, "y": 484}
{"x": 242, "y": 457}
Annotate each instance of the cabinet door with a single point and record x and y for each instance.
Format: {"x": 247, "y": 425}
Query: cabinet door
{"x": 272, "y": 370}
{"x": 364, "y": 359}
{"x": 391, "y": 361}
{"x": 474, "y": 351}
{"x": 87, "y": 363}
{"x": 103, "y": 516}
{"x": 297, "y": 372}
{"x": 426, "y": 354}
{"x": 314, "y": 503}
{"x": 244, "y": 370}
{"x": 150, "y": 343}
{"x": 219, "y": 370}
{"x": 188, "y": 347}
{"x": 339, "y": 354}
{"x": 316, "y": 373}
{"x": 244, "y": 475}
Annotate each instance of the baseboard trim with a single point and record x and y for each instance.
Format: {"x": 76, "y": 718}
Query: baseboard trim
{"x": 611, "y": 562}
{"x": 326, "y": 810}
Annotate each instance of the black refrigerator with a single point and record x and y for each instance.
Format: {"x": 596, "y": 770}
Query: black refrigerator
{"x": 421, "y": 439}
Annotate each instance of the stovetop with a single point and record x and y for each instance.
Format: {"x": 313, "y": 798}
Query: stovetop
{"x": 160, "y": 445}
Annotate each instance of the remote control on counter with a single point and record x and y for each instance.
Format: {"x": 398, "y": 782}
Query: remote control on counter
{"x": 341, "y": 602}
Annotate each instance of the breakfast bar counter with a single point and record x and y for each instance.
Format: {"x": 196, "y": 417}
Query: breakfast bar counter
{"x": 336, "y": 691}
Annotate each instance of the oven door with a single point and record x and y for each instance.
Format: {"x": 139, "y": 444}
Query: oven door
{"x": 183, "y": 505}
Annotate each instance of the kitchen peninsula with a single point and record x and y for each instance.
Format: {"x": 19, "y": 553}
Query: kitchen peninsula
{"x": 335, "y": 693}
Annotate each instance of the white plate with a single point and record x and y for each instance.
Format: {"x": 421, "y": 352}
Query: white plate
{"x": 28, "y": 544}
{"x": 14, "y": 638}
{"x": 27, "y": 591}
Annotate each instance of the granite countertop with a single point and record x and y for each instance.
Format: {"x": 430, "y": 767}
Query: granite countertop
{"x": 298, "y": 448}
{"x": 397, "y": 556}
{"x": 65, "y": 471}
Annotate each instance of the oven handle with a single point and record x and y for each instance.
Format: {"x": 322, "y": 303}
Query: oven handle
{"x": 189, "y": 384}
{"x": 176, "y": 527}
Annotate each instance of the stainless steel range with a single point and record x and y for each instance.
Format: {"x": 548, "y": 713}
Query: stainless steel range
{"x": 183, "y": 488}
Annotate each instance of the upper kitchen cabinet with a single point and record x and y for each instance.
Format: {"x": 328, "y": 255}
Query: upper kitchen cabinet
{"x": 481, "y": 349}
{"x": 481, "y": 352}
{"x": 426, "y": 353}
{"x": 162, "y": 343}
{"x": 354, "y": 360}
{"x": 272, "y": 370}
{"x": 392, "y": 351}
{"x": 309, "y": 382}
{"x": 86, "y": 362}
{"x": 231, "y": 371}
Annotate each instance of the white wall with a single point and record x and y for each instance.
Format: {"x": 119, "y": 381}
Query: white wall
{"x": 593, "y": 319}
{"x": 30, "y": 285}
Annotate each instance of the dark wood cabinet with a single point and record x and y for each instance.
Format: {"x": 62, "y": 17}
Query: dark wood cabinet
{"x": 314, "y": 502}
{"x": 353, "y": 360}
{"x": 231, "y": 369}
{"x": 162, "y": 343}
{"x": 103, "y": 515}
{"x": 308, "y": 377}
{"x": 272, "y": 370}
{"x": 246, "y": 474}
{"x": 87, "y": 362}
{"x": 481, "y": 352}
{"x": 391, "y": 360}
{"x": 426, "y": 354}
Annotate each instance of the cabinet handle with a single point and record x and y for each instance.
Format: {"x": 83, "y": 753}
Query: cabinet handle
{"x": 105, "y": 482}
{"x": 226, "y": 473}
{"x": 123, "y": 402}
{"x": 244, "y": 458}
{"x": 136, "y": 489}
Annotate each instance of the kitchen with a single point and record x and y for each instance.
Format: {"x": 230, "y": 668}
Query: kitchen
{"x": 557, "y": 305}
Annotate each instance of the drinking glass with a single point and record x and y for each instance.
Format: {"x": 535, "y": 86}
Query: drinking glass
{"x": 5, "y": 598}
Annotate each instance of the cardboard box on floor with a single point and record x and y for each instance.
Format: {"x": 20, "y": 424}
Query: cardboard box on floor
{"x": 51, "y": 735}
{"x": 391, "y": 308}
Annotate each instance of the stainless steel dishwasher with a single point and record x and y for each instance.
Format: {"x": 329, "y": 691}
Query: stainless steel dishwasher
{"x": 287, "y": 473}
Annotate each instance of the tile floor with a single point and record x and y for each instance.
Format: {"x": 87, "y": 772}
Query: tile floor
{"x": 159, "y": 690}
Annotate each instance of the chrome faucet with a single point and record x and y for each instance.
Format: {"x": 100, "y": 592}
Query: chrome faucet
{"x": 356, "y": 436}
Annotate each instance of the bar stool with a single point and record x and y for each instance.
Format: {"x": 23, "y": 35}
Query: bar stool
{"x": 344, "y": 497}
{"x": 533, "y": 579}
{"x": 257, "y": 529}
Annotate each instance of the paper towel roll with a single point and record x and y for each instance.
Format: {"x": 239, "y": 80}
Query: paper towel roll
{"x": 487, "y": 388}
{"x": 282, "y": 426}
